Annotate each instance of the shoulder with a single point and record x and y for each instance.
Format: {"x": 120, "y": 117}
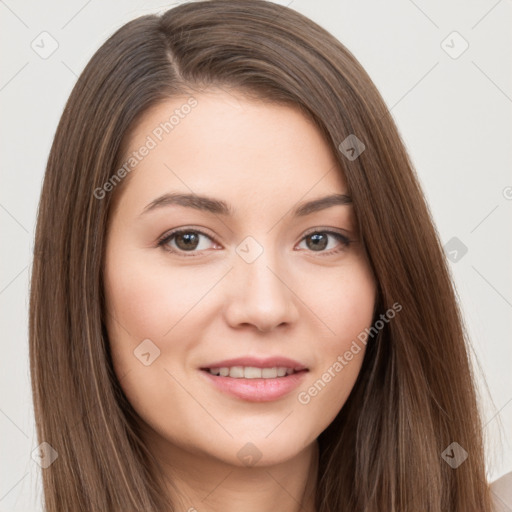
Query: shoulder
{"x": 501, "y": 493}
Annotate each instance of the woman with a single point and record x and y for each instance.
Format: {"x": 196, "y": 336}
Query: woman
{"x": 239, "y": 298}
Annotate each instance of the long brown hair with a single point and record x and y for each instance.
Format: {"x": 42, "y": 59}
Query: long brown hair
{"x": 415, "y": 394}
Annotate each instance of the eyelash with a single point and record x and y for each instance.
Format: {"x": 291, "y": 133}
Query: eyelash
{"x": 166, "y": 238}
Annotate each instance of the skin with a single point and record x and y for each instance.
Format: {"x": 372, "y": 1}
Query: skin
{"x": 263, "y": 159}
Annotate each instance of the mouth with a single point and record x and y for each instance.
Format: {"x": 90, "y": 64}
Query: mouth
{"x": 255, "y": 383}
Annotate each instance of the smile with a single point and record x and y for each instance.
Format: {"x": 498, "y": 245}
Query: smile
{"x": 257, "y": 385}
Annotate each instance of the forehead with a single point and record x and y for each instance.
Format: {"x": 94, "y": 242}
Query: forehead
{"x": 219, "y": 143}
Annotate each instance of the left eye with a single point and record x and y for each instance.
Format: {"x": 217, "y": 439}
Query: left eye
{"x": 183, "y": 241}
{"x": 319, "y": 240}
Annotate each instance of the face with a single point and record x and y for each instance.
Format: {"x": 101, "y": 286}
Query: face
{"x": 249, "y": 274}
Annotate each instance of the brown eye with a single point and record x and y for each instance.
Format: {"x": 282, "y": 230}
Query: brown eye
{"x": 318, "y": 241}
{"x": 185, "y": 240}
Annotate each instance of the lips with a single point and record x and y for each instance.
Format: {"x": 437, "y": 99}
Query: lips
{"x": 255, "y": 380}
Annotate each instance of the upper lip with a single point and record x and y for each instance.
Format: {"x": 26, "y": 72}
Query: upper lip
{"x": 269, "y": 362}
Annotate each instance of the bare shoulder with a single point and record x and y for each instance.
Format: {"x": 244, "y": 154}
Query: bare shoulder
{"x": 501, "y": 493}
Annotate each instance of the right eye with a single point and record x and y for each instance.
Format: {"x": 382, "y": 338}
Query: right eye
{"x": 181, "y": 241}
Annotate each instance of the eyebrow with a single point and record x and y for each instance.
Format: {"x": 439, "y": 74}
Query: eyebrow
{"x": 219, "y": 207}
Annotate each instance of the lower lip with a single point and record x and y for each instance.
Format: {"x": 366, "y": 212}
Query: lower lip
{"x": 257, "y": 390}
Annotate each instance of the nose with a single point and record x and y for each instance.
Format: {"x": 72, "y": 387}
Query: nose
{"x": 260, "y": 295}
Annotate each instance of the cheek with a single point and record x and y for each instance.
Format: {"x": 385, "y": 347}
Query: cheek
{"x": 344, "y": 301}
{"x": 346, "y": 308}
{"x": 150, "y": 300}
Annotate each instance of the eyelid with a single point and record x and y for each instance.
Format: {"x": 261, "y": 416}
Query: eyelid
{"x": 186, "y": 229}
{"x": 337, "y": 231}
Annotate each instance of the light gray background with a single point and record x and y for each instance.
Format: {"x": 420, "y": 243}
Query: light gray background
{"x": 454, "y": 115}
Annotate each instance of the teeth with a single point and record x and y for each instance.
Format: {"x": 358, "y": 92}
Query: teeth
{"x": 269, "y": 373}
{"x": 250, "y": 372}
{"x": 236, "y": 371}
